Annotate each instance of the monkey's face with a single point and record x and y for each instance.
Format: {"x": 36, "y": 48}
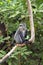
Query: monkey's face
{"x": 22, "y": 29}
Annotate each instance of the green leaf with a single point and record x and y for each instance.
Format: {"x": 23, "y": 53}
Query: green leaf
{"x": 14, "y": 15}
{"x": 27, "y": 37}
{"x": 2, "y": 53}
{"x": 28, "y": 53}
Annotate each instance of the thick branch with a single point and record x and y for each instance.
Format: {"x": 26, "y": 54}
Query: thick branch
{"x": 8, "y": 54}
{"x": 31, "y": 21}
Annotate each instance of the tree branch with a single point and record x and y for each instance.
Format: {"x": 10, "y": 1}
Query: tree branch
{"x": 8, "y": 54}
{"x": 31, "y": 21}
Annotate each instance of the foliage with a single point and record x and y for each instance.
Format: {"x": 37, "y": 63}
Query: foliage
{"x": 3, "y": 39}
{"x": 12, "y": 12}
{"x": 2, "y": 53}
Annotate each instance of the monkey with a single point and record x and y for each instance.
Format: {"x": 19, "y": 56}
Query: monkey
{"x": 20, "y": 34}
